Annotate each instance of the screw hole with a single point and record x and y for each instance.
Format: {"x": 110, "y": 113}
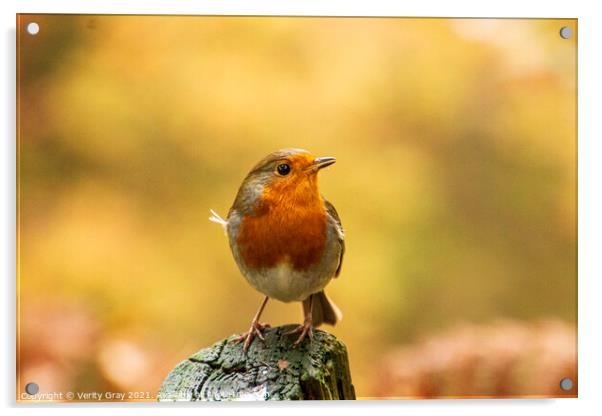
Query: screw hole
{"x": 32, "y": 388}
{"x": 566, "y": 384}
{"x": 33, "y": 28}
{"x": 566, "y": 32}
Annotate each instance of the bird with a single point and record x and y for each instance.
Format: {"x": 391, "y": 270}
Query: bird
{"x": 286, "y": 238}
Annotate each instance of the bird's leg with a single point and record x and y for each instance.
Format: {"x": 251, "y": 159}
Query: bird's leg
{"x": 255, "y": 329}
{"x": 306, "y": 328}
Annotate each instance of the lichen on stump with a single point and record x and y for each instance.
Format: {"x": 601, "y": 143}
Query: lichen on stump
{"x": 274, "y": 370}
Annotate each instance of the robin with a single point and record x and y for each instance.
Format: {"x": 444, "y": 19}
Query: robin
{"x": 286, "y": 238}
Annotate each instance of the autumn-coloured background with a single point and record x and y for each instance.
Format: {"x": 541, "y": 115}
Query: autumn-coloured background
{"x": 455, "y": 179}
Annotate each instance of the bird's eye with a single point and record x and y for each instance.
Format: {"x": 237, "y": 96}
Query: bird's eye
{"x": 283, "y": 169}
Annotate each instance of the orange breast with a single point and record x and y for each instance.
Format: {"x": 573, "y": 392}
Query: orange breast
{"x": 290, "y": 225}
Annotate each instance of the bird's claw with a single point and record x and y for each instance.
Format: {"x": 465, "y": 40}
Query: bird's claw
{"x": 254, "y": 331}
{"x": 305, "y": 330}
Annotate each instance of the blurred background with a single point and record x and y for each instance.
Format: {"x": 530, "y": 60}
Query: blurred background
{"x": 455, "y": 180}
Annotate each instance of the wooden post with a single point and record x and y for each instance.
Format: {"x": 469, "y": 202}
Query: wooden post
{"x": 274, "y": 370}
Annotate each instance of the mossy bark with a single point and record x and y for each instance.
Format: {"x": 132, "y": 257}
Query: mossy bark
{"x": 274, "y": 370}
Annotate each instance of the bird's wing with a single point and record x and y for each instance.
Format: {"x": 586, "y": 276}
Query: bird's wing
{"x": 332, "y": 212}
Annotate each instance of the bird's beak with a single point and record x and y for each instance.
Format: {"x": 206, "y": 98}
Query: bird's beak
{"x": 322, "y": 162}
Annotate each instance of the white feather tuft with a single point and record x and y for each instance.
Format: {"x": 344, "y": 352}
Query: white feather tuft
{"x": 217, "y": 219}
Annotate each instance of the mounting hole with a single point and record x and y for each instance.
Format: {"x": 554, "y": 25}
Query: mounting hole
{"x": 566, "y": 32}
{"x": 33, "y": 28}
{"x": 566, "y": 384}
{"x": 31, "y": 388}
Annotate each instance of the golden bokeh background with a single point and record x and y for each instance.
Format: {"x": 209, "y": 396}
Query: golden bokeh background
{"x": 455, "y": 180}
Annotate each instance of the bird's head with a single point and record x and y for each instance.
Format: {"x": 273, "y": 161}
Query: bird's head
{"x": 288, "y": 174}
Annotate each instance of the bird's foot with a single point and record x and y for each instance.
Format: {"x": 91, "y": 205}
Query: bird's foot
{"x": 256, "y": 330}
{"x": 305, "y": 330}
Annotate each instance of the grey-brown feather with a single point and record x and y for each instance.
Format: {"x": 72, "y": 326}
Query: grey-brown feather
{"x": 334, "y": 215}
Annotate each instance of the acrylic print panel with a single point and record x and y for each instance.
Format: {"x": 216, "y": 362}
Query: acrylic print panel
{"x": 454, "y": 183}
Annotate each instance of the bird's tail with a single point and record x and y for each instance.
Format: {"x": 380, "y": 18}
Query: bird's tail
{"x": 323, "y": 310}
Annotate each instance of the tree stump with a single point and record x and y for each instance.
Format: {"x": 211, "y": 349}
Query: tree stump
{"x": 274, "y": 370}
